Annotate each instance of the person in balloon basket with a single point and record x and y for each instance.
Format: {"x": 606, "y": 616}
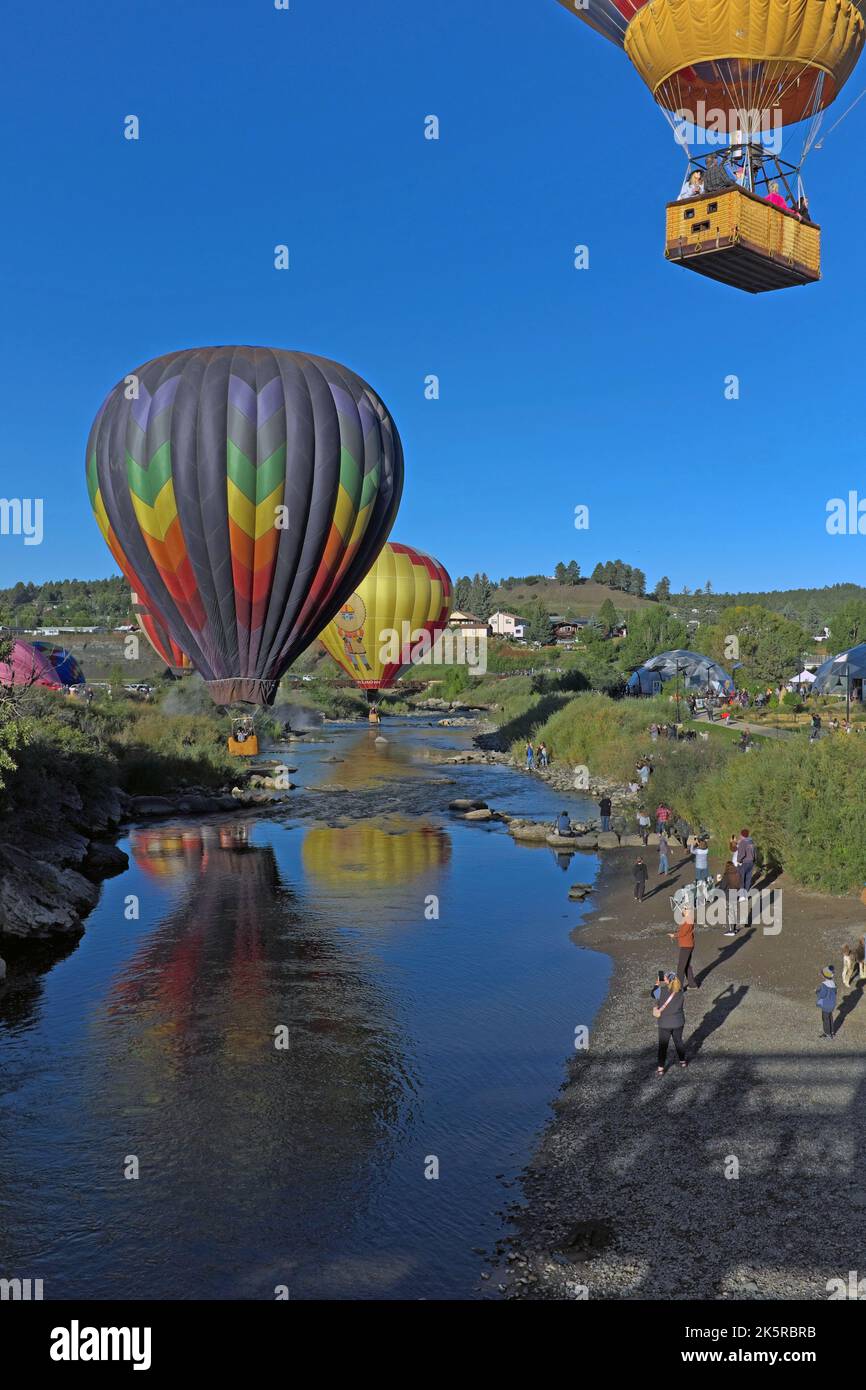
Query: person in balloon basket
{"x": 693, "y": 186}
{"x": 825, "y": 998}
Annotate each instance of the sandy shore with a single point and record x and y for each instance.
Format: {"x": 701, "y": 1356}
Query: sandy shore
{"x": 628, "y": 1194}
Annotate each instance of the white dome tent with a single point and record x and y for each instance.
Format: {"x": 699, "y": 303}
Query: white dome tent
{"x": 694, "y": 672}
{"x": 842, "y": 674}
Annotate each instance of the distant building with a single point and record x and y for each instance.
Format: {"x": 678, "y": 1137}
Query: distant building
{"x": 503, "y": 624}
{"x": 467, "y": 622}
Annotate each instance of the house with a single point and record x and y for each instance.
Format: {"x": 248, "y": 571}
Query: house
{"x": 566, "y": 631}
{"x": 504, "y": 624}
{"x": 467, "y": 622}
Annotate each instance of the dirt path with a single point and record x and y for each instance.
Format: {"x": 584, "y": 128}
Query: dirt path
{"x": 632, "y": 1192}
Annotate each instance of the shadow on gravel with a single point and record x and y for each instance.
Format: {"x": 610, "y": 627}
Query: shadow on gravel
{"x": 849, "y": 1004}
{"x": 726, "y": 952}
{"x": 723, "y": 1006}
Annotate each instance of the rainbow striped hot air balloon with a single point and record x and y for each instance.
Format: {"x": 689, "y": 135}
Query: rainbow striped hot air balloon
{"x": 391, "y": 619}
{"x": 158, "y": 634}
{"x": 244, "y": 492}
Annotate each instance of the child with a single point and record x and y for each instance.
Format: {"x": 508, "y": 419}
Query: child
{"x": 849, "y": 967}
{"x": 640, "y": 878}
{"x": 825, "y": 998}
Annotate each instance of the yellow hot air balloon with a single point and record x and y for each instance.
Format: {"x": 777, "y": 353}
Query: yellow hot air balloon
{"x": 391, "y": 619}
{"x": 737, "y": 69}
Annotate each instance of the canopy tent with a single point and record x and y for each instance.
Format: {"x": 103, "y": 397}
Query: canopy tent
{"x": 802, "y": 678}
{"x": 833, "y": 675}
{"x": 696, "y": 672}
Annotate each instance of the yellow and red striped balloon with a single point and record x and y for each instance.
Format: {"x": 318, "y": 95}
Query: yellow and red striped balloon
{"x": 393, "y": 616}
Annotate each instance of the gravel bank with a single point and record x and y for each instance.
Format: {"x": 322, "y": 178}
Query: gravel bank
{"x": 628, "y": 1194}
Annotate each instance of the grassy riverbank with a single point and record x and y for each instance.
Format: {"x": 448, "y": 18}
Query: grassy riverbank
{"x": 803, "y": 802}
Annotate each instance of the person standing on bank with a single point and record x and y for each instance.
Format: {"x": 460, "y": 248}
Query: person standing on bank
{"x": 746, "y": 859}
{"x": 664, "y": 852}
{"x": 604, "y": 808}
{"x": 670, "y": 1014}
{"x": 825, "y": 998}
{"x": 685, "y": 939}
{"x": 640, "y": 877}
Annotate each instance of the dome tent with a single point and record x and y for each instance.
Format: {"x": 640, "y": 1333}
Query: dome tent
{"x": 695, "y": 671}
{"x": 832, "y": 676}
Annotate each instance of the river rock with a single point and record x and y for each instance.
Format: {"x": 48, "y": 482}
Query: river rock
{"x": 607, "y": 840}
{"x": 535, "y": 834}
{"x": 152, "y": 806}
{"x": 37, "y": 898}
{"x": 587, "y": 841}
{"x": 478, "y": 815}
{"x": 465, "y": 804}
{"x": 104, "y": 861}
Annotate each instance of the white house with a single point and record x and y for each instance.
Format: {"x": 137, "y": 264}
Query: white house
{"x": 504, "y": 624}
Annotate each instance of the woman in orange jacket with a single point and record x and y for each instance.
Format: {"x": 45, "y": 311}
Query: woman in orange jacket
{"x": 685, "y": 939}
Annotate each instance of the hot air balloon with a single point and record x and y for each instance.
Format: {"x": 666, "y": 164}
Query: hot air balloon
{"x": 392, "y": 618}
{"x": 63, "y": 663}
{"x": 35, "y": 663}
{"x": 158, "y": 635}
{"x": 736, "y": 69}
{"x": 245, "y": 492}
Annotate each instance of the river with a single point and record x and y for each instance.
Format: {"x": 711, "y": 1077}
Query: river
{"x": 309, "y": 1049}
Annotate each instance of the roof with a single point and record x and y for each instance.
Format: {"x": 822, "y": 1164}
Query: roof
{"x": 833, "y": 674}
{"x": 694, "y": 669}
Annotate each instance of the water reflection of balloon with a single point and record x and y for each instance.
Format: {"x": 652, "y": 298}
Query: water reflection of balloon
{"x": 244, "y": 492}
{"x": 392, "y": 618}
{"x": 366, "y": 854}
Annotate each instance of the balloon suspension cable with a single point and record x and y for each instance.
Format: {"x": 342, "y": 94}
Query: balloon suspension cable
{"x": 820, "y": 144}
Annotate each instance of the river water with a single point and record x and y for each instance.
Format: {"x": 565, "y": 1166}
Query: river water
{"x": 326, "y": 1040}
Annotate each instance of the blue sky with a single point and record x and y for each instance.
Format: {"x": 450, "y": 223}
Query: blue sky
{"x": 409, "y": 257}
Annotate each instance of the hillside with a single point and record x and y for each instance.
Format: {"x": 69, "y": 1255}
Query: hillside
{"x": 570, "y": 600}
{"x": 812, "y": 608}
